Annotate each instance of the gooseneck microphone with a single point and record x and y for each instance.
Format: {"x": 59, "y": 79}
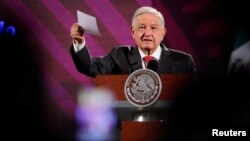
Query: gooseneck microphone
{"x": 153, "y": 65}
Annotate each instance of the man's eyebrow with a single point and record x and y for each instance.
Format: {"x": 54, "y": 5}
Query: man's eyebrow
{"x": 153, "y": 25}
{"x": 141, "y": 24}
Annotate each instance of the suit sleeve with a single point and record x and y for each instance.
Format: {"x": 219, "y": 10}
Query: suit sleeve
{"x": 190, "y": 65}
{"x": 91, "y": 66}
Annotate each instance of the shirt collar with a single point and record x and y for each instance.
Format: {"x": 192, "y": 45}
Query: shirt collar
{"x": 155, "y": 54}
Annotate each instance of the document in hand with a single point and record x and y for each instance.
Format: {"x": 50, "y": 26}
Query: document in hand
{"x": 88, "y": 22}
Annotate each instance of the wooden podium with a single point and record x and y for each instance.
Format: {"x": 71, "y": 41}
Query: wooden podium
{"x": 131, "y": 130}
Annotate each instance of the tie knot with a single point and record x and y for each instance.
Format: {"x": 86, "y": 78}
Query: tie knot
{"x": 147, "y": 59}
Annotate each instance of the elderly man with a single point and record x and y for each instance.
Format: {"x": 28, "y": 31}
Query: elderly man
{"x": 148, "y": 30}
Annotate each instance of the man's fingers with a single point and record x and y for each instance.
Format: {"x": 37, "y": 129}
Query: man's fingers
{"x": 77, "y": 38}
{"x": 81, "y": 30}
{"x": 76, "y": 32}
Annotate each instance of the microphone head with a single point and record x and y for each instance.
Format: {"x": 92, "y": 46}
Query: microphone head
{"x": 153, "y": 65}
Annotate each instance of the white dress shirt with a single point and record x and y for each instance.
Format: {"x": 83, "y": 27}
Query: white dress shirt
{"x": 156, "y": 55}
{"x": 78, "y": 47}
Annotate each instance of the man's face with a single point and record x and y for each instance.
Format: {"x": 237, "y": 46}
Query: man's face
{"x": 148, "y": 32}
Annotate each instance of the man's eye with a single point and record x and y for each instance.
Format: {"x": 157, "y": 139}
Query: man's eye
{"x": 141, "y": 27}
{"x": 154, "y": 28}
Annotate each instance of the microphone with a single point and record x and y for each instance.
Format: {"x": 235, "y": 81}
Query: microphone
{"x": 153, "y": 65}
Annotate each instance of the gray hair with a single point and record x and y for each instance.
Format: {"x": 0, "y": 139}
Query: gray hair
{"x": 147, "y": 9}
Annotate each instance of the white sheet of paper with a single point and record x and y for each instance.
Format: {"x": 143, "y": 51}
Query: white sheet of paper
{"x": 88, "y": 22}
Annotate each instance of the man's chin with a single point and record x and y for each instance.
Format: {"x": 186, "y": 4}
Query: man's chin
{"x": 147, "y": 48}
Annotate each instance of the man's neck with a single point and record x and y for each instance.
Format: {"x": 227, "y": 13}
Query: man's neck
{"x": 148, "y": 51}
{"x": 156, "y": 52}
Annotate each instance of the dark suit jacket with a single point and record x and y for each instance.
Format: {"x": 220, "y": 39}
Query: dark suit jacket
{"x": 127, "y": 59}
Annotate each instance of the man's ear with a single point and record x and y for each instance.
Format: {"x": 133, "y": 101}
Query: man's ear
{"x": 132, "y": 31}
{"x": 165, "y": 31}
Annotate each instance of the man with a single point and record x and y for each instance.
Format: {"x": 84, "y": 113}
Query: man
{"x": 148, "y": 30}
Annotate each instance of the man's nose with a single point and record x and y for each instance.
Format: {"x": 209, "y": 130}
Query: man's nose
{"x": 148, "y": 32}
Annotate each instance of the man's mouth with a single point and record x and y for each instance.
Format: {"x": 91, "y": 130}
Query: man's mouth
{"x": 147, "y": 40}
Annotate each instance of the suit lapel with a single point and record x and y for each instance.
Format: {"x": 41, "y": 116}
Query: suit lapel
{"x": 164, "y": 62}
{"x": 134, "y": 59}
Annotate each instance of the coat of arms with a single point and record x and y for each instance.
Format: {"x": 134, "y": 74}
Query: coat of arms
{"x": 143, "y": 87}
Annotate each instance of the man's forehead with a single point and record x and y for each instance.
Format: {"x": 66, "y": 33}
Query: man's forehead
{"x": 143, "y": 24}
